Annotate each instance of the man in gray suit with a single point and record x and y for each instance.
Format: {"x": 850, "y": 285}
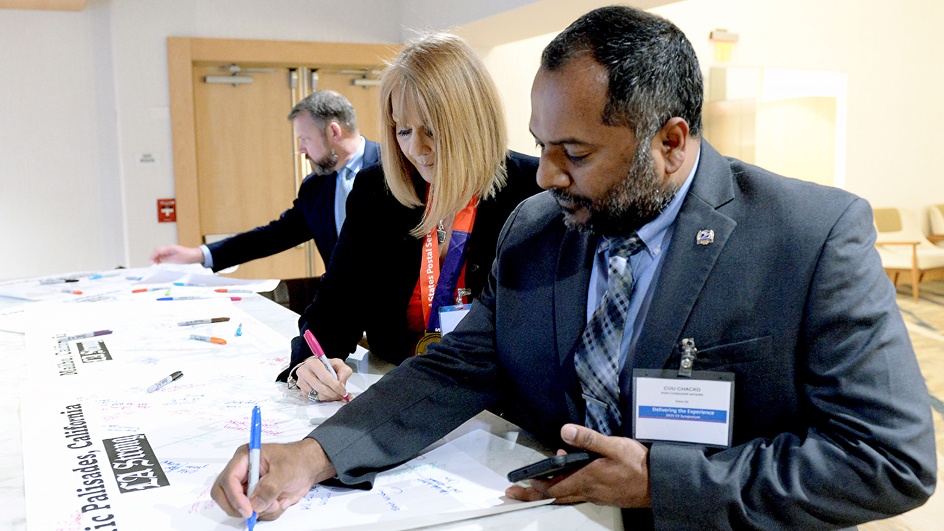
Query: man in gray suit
{"x": 744, "y": 276}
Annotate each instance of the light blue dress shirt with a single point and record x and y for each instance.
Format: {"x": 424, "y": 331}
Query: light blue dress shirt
{"x": 646, "y": 264}
{"x": 345, "y": 184}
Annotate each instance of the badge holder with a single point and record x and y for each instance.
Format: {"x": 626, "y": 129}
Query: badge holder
{"x": 449, "y": 316}
{"x": 683, "y": 406}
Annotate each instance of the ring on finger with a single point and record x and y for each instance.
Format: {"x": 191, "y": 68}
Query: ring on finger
{"x": 313, "y": 395}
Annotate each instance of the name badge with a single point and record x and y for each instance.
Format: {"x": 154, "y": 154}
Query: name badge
{"x": 697, "y": 409}
{"x": 449, "y": 317}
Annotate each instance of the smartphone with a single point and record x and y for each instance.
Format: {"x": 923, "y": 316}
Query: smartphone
{"x": 552, "y": 466}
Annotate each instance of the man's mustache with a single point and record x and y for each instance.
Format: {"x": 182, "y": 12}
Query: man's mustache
{"x": 565, "y": 197}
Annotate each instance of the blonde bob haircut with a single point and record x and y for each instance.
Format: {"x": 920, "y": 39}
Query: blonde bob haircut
{"x": 441, "y": 82}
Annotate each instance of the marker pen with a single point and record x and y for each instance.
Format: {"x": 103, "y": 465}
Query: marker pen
{"x": 83, "y": 336}
{"x": 227, "y": 290}
{"x": 203, "y": 321}
{"x": 193, "y": 298}
{"x": 319, "y": 353}
{"x": 72, "y": 291}
{"x": 255, "y": 447}
{"x": 176, "y": 375}
{"x": 193, "y": 284}
{"x": 208, "y": 339}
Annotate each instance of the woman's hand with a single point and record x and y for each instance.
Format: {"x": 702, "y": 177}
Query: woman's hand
{"x": 313, "y": 375}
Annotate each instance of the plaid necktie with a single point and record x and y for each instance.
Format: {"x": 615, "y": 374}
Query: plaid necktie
{"x": 597, "y": 356}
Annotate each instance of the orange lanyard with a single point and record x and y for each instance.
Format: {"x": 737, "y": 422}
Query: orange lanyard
{"x": 434, "y": 292}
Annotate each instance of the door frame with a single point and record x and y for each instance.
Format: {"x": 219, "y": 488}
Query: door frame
{"x": 182, "y": 52}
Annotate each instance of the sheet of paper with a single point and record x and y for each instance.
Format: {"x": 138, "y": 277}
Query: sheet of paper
{"x": 119, "y": 284}
{"x": 129, "y": 457}
{"x": 146, "y": 341}
{"x": 13, "y": 319}
{"x": 100, "y": 449}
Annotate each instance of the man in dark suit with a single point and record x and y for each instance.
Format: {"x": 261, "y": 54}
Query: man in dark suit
{"x": 326, "y": 127}
{"x": 769, "y": 282}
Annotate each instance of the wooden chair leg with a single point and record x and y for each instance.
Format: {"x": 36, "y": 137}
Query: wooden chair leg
{"x": 915, "y": 274}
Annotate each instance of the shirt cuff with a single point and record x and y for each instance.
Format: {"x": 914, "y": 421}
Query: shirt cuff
{"x": 207, "y": 257}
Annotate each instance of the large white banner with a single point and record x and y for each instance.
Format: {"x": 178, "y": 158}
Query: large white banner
{"x": 101, "y": 452}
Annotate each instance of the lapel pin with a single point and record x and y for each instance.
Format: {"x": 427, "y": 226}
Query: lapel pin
{"x": 705, "y": 237}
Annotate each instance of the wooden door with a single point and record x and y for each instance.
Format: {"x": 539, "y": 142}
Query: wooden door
{"x": 245, "y": 169}
{"x": 247, "y": 174}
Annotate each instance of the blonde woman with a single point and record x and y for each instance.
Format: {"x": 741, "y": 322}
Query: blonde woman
{"x": 421, "y": 229}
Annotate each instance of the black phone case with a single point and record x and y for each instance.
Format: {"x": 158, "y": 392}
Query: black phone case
{"x": 552, "y": 466}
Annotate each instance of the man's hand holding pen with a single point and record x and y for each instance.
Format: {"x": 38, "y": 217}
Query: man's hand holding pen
{"x": 287, "y": 473}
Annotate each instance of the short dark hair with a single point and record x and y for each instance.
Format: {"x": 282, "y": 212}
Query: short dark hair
{"x": 326, "y": 106}
{"x": 653, "y": 73}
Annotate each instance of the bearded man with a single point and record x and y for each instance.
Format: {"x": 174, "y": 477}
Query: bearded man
{"x": 326, "y": 128}
{"x": 725, "y": 338}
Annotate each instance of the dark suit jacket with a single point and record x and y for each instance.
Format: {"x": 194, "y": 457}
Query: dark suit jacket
{"x": 372, "y": 275}
{"x": 831, "y": 420}
{"x": 311, "y": 216}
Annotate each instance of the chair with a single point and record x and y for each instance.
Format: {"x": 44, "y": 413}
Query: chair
{"x": 904, "y": 248}
{"x": 936, "y": 213}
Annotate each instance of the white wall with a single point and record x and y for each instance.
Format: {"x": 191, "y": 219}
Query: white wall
{"x": 513, "y": 67}
{"x": 82, "y": 94}
{"x": 892, "y": 55}
{"x": 441, "y": 15}
{"x": 141, "y": 28}
{"x": 59, "y": 200}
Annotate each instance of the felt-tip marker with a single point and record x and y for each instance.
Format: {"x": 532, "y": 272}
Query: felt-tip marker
{"x": 208, "y": 339}
{"x": 83, "y": 336}
{"x": 319, "y": 353}
{"x": 193, "y": 298}
{"x": 255, "y": 447}
{"x": 193, "y": 284}
{"x": 145, "y": 290}
{"x": 203, "y": 321}
{"x": 176, "y": 375}
{"x": 227, "y": 290}
{"x": 72, "y": 291}
{"x": 58, "y": 280}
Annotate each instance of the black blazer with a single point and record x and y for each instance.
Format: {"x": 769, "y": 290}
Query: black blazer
{"x": 371, "y": 277}
{"x": 311, "y": 217}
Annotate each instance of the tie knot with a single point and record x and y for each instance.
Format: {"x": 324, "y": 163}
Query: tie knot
{"x": 624, "y": 246}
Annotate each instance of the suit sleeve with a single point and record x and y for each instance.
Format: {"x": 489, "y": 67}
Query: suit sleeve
{"x": 420, "y": 401}
{"x": 868, "y": 449}
{"x": 289, "y": 230}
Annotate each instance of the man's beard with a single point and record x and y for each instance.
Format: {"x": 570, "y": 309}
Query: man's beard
{"x": 636, "y": 200}
{"x": 325, "y": 164}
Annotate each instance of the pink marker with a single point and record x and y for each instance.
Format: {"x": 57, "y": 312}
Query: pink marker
{"x": 319, "y": 353}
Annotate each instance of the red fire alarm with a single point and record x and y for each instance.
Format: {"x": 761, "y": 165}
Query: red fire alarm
{"x": 166, "y": 210}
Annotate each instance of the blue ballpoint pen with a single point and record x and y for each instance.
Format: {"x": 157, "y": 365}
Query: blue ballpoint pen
{"x": 255, "y": 444}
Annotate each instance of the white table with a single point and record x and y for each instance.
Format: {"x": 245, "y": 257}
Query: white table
{"x": 12, "y": 495}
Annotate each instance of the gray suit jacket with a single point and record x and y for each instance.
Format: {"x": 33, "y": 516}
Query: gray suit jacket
{"x": 832, "y": 422}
